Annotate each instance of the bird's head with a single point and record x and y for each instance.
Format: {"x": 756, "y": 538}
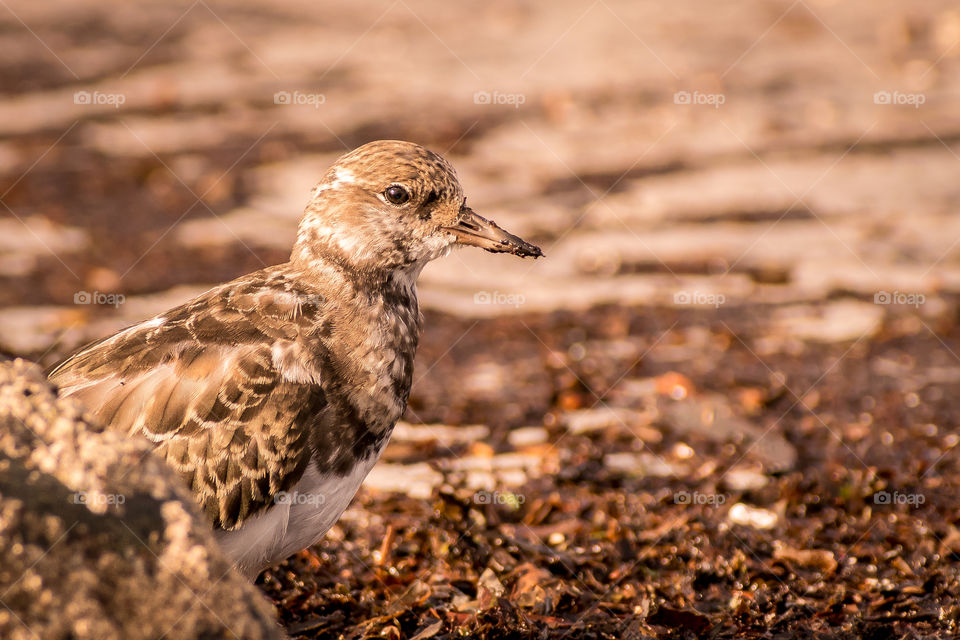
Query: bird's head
{"x": 393, "y": 205}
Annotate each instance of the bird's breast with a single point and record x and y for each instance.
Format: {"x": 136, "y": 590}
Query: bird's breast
{"x": 367, "y": 374}
{"x": 385, "y": 372}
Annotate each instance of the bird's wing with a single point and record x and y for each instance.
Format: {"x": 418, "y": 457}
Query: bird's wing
{"x": 206, "y": 382}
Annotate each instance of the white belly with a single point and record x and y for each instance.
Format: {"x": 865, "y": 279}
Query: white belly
{"x": 298, "y": 519}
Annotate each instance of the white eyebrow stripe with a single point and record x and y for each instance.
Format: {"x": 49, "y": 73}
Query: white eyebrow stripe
{"x": 341, "y": 177}
{"x": 344, "y": 176}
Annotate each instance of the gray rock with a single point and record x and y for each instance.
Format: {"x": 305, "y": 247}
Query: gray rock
{"x": 712, "y": 416}
{"x": 98, "y": 539}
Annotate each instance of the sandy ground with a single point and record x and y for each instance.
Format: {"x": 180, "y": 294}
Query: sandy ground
{"x": 749, "y": 211}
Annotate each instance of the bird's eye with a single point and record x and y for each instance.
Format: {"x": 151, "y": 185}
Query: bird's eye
{"x": 395, "y": 194}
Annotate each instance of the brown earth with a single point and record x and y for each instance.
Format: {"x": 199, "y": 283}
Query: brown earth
{"x": 725, "y": 405}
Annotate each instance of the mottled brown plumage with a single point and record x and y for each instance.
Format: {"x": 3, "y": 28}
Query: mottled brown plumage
{"x": 291, "y": 378}
{"x": 203, "y": 387}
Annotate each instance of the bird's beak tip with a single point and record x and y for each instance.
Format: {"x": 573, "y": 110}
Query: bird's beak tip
{"x": 474, "y": 230}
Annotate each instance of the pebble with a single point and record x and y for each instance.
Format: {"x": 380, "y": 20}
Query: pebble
{"x": 744, "y": 479}
{"x": 415, "y": 480}
{"x": 750, "y": 516}
{"x": 642, "y": 464}
{"x": 439, "y": 433}
{"x": 589, "y": 420}
{"x": 527, "y": 436}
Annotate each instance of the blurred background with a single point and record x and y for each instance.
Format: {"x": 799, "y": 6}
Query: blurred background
{"x": 744, "y": 330}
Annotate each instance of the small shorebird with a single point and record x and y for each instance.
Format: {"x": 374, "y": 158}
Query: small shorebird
{"x": 273, "y": 395}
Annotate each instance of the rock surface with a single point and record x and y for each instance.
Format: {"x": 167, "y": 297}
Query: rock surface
{"x": 97, "y": 538}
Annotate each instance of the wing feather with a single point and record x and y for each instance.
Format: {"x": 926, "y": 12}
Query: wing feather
{"x": 201, "y": 383}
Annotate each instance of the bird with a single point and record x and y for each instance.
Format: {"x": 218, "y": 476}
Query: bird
{"x": 273, "y": 395}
